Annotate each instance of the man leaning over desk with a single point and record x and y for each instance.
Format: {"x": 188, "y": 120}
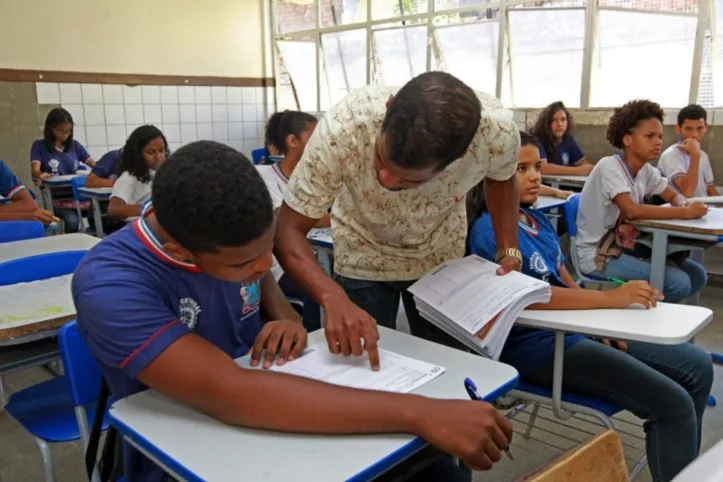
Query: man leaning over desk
{"x": 396, "y": 165}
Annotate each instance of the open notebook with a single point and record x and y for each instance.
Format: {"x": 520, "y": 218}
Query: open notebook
{"x": 467, "y": 299}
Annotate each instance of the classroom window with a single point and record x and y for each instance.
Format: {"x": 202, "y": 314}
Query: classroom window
{"x": 383, "y": 9}
{"x": 546, "y": 63}
{"x": 294, "y": 15}
{"x": 399, "y": 54}
{"x": 674, "y": 6}
{"x": 298, "y": 59}
{"x": 344, "y": 66}
{"x": 642, "y": 55}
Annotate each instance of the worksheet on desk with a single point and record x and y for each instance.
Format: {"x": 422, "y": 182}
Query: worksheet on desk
{"x": 25, "y": 303}
{"x": 398, "y": 373}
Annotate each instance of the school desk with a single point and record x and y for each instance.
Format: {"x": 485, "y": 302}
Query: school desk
{"x": 323, "y": 245}
{"x": 50, "y": 244}
{"x": 96, "y": 195}
{"x": 194, "y": 447}
{"x": 706, "y": 468}
{"x": 55, "y": 182}
{"x": 556, "y": 181}
{"x": 666, "y": 324}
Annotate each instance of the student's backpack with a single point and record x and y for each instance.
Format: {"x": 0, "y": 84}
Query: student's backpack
{"x": 110, "y": 465}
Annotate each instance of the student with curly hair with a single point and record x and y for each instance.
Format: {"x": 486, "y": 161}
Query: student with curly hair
{"x": 144, "y": 151}
{"x": 613, "y": 196}
{"x": 559, "y": 152}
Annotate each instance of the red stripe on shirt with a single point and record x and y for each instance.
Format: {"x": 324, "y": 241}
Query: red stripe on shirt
{"x": 159, "y": 253}
{"x": 15, "y": 190}
{"x": 147, "y": 342}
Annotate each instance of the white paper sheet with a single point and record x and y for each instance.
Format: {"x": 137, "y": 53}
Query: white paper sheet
{"x": 322, "y": 235}
{"x": 27, "y": 303}
{"x": 398, "y": 373}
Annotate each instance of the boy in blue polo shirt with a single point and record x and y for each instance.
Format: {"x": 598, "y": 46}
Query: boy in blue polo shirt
{"x": 177, "y": 296}
{"x": 103, "y": 173}
{"x": 666, "y": 385}
{"x": 16, "y": 203}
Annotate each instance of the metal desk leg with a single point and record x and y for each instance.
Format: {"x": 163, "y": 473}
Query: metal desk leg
{"x": 557, "y": 409}
{"x": 658, "y": 260}
{"x": 325, "y": 257}
{"x": 97, "y": 217}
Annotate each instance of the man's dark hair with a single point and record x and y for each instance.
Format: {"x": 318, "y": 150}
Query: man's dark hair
{"x": 431, "y": 121}
{"x": 207, "y": 195}
{"x": 543, "y": 129}
{"x": 692, "y": 112}
{"x": 627, "y": 117}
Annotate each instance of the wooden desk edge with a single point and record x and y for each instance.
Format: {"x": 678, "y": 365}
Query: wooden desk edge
{"x": 683, "y": 229}
{"x": 47, "y": 325}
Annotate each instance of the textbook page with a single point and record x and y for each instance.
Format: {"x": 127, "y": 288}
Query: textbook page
{"x": 398, "y": 373}
{"x": 26, "y": 303}
{"x": 322, "y": 235}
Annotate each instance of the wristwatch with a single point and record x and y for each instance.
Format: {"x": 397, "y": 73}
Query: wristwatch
{"x": 508, "y": 253}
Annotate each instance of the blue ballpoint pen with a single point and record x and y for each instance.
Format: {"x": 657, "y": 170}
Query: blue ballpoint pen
{"x": 471, "y": 388}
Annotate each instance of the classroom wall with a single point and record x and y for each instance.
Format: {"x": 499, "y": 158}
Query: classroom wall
{"x": 171, "y": 37}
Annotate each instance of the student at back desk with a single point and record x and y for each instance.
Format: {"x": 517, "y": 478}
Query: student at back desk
{"x": 286, "y": 134}
{"x": 685, "y": 164}
{"x": 20, "y": 205}
{"x": 57, "y": 154}
{"x": 189, "y": 279}
{"x": 667, "y": 386}
{"x": 104, "y": 173}
{"x": 613, "y": 195}
{"x": 559, "y": 151}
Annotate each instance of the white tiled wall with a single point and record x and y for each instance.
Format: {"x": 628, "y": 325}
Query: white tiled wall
{"x": 105, "y": 115}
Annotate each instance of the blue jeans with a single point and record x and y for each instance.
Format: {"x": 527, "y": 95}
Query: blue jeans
{"x": 665, "y": 385}
{"x": 70, "y": 219}
{"x": 680, "y": 281}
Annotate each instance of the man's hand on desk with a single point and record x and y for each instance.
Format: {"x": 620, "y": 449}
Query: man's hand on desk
{"x": 346, "y": 326}
{"x": 285, "y": 338}
{"x": 471, "y": 430}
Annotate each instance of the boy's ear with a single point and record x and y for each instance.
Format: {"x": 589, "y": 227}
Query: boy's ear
{"x": 177, "y": 252}
{"x": 677, "y": 130}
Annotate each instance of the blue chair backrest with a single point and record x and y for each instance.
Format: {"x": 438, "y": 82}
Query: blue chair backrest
{"x": 75, "y": 183}
{"x": 81, "y": 370}
{"x": 258, "y": 154}
{"x": 20, "y": 230}
{"x": 42, "y": 266}
{"x": 571, "y": 207}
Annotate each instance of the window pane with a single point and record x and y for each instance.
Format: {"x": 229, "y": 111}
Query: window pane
{"x": 345, "y": 63}
{"x": 397, "y": 8}
{"x": 342, "y": 12}
{"x": 469, "y": 52}
{"x": 294, "y": 15}
{"x": 400, "y": 54}
{"x": 440, "y": 5}
{"x": 706, "y": 86}
{"x": 546, "y": 62}
{"x": 717, "y": 67}
{"x": 680, "y": 6}
{"x": 300, "y": 63}
{"x": 642, "y": 55}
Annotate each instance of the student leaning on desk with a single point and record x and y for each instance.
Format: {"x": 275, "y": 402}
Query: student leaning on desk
{"x": 20, "y": 205}
{"x": 171, "y": 300}
{"x": 665, "y": 385}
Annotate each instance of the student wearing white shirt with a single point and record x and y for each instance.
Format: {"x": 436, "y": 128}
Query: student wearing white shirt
{"x": 286, "y": 135}
{"x": 613, "y": 196}
{"x": 684, "y": 163}
{"x": 144, "y": 151}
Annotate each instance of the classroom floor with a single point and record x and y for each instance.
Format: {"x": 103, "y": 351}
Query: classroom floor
{"x": 20, "y": 459}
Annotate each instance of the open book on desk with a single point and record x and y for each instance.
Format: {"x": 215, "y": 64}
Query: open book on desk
{"x": 467, "y": 299}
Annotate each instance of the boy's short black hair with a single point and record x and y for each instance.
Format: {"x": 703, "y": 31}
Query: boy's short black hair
{"x": 431, "y": 121}
{"x": 626, "y": 117}
{"x": 207, "y": 195}
{"x": 528, "y": 140}
{"x": 692, "y": 112}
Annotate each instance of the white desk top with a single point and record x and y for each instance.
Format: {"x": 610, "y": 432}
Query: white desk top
{"x": 708, "y": 199}
{"x": 706, "y": 468}
{"x": 573, "y": 180}
{"x": 710, "y": 224}
{"x": 50, "y": 244}
{"x": 64, "y": 179}
{"x": 666, "y": 324}
{"x": 99, "y": 192}
{"x": 321, "y": 237}
{"x": 201, "y": 448}
{"x": 548, "y": 202}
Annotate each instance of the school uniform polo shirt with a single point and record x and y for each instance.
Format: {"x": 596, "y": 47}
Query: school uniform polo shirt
{"x": 9, "y": 184}
{"x": 133, "y": 301}
{"x": 107, "y": 166}
{"x": 675, "y": 162}
{"x": 57, "y": 162}
{"x": 568, "y": 153}
{"x": 384, "y": 235}
{"x": 276, "y": 182}
{"x": 527, "y": 349}
{"x": 598, "y": 213}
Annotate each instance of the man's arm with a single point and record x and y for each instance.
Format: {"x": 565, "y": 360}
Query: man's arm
{"x": 274, "y": 302}
{"x": 687, "y": 181}
{"x": 503, "y": 203}
{"x": 20, "y": 202}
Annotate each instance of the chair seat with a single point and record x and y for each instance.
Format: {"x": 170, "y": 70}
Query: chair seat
{"x": 45, "y": 410}
{"x": 606, "y": 408}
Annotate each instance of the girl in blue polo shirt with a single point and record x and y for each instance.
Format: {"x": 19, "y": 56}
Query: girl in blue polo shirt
{"x": 559, "y": 152}
{"x": 58, "y": 154}
{"x": 665, "y": 385}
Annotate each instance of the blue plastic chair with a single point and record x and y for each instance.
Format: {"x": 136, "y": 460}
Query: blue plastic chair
{"x": 76, "y": 183}
{"x": 42, "y": 266}
{"x": 20, "y": 230}
{"x": 257, "y": 155}
{"x": 61, "y": 409}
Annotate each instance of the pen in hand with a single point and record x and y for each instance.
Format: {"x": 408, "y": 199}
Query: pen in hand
{"x": 471, "y": 388}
